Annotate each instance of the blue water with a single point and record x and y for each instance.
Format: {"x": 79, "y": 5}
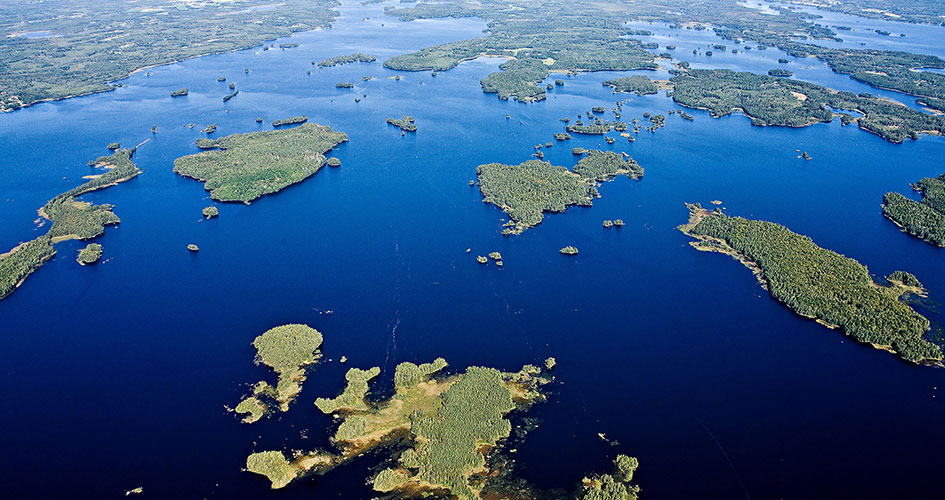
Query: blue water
{"x": 116, "y": 375}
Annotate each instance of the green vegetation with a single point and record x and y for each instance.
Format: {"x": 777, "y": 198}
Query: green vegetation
{"x": 344, "y": 85}
{"x": 230, "y": 95}
{"x": 619, "y": 222}
{"x": 816, "y": 283}
{"x": 288, "y": 350}
{"x": 211, "y": 212}
{"x": 405, "y": 123}
{"x": 608, "y": 223}
{"x": 288, "y": 45}
{"x": 915, "y": 11}
{"x": 791, "y": 103}
{"x": 251, "y": 165}
{"x": 204, "y": 143}
{"x": 441, "y": 435}
{"x": 97, "y": 43}
{"x": 527, "y": 190}
{"x": 209, "y": 129}
{"x": 495, "y": 255}
{"x": 353, "y": 397}
{"x": 537, "y": 37}
{"x": 550, "y": 363}
{"x": 924, "y": 219}
{"x": 90, "y": 254}
{"x": 885, "y": 69}
{"x": 614, "y": 486}
{"x": 290, "y": 121}
{"x": 333, "y": 162}
{"x": 113, "y": 146}
{"x": 905, "y": 279}
{"x": 637, "y": 84}
{"x": 351, "y": 58}
{"x": 179, "y": 92}
{"x": 408, "y": 375}
{"x": 274, "y": 466}
{"x": 193, "y": 247}
{"x": 20, "y": 262}
{"x": 568, "y": 250}
{"x": 71, "y": 219}
{"x": 605, "y": 165}
{"x": 562, "y": 136}
{"x": 780, "y": 72}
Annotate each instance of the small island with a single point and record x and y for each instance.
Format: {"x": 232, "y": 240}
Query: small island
{"x": 344, "y": 85}
{"x": 817, "y": 283}
{"x": 290, "y": 121}
{"x": 247, "y": 166}
{"x": 179, "y": 92}
{"x": 193, "y": 247}
{"x": 90, "y": 254}
{"x": 211, "y": 212}
{"x": 288, "y": 350}
{"x": 405, "y": 123}
{"x": 780, "y": 72}
{"x": 924, "y": 219}
{"x": 351, "y": 58}
{"x": 568, "y": 250}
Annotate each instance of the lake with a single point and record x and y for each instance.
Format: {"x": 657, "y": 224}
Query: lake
{"x": 117, "y": 375}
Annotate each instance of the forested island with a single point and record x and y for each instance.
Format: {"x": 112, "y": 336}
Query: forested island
{"x": 247, "y": 166}
{"x": 405, "y": 123}
{"x": 99, "y": 43}
{"x": 774, "y": 101}
{"x": 924, "y": 219}
{"x": 288, "y": 350}
{"x": 443, "y": 433}
{"x": 71, "y": 219}
{"x": 527, "y": 190}
{"x": 351, "y": 58}
{"x": 817, "y": 283}
{"x": 637, "y": 84}
{"x": 290, "y": 121}
{"x": 90, "y": 254}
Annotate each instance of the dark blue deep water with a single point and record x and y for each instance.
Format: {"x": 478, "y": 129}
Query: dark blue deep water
{"x": 116, "y": 375}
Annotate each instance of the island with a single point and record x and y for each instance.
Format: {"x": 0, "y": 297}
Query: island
{"x": 180, "y": 92}
{"x": 288, "y": 350}
{"x": 211, "y": 212}
{"x": 248, "y": 166}
{"x": 71, "y": 219}
{"x": 637, "y": 84}
{"x": 527, "y": 190}
{"x": 923, "y": 219}
{"x": 90, "y": 254}
{"x": 405, "y": 123}
{"x": 290, "y": 121}
{"x": 351, "y": 58}
{"x": 344, "y": 85}
{"x": 568, "y": 250}
{"x": 773, "y": 101}
{"x": 817, "y": 283}
{"x": 443, "y": 433}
